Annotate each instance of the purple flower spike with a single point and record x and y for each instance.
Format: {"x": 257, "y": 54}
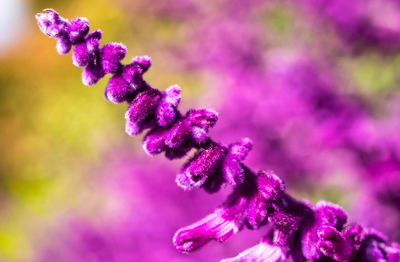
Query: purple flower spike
{"x": 63, "y": 45}
{"x": 297, "y": 229}
{"x": 141, "y": 109}
{"x": 166, "y": 111}
{"x": 52, "y": 24}
{"x": 232, "y": 168}
{"x": 78, "y": 29}
{"x": 143, "y": 61}
{"x": 263, "y": 252}
{"x": 111, "y": 55}
{"x": 203, "y": 165}
{"x": 213, "y": 226}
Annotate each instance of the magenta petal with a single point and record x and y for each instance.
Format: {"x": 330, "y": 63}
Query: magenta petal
{"x": 194, "y": 236}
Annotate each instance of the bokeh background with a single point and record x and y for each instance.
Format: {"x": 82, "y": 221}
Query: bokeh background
{"x": 314, "y": 83}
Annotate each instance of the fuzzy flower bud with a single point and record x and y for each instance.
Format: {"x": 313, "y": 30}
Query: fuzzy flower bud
{"x": 117, "y": 89}
{"x": 189, "y": 127}
{"x": 51, "y": 24}
{"x": 85, "y": 52}
{"x": 179, "y": 133}
{"x": 93, "y": 40}
{"x": 260, "y": 206}
{"x": 257, "y": 211}
{"x": 78, "y": 29}
{"x": 270, "y": 185}
{"x": 332, "y": 244}
{"x": 133, "y": 75}
{"x": 203, "y": 165}
{"x": 355, "y": 234}
{"x": 166, "y": 111}
{"x": 81, "y": 55}
{"x": 232, "y": 168}
{"x": 143, "y": 61}
{"x": 111, "y": 54}
{"x": 92, "y": 73}
{"x": 123, "y": 85}
{"x": 63, "y": 45}
{"x": 287, "y": 219}
{"x": 202, "y": 118}
{"x": 140, "y": 110}
{"x": 325, "y": 215}
{"x": 154, "y": 141}
{"x": 178, "y": 139}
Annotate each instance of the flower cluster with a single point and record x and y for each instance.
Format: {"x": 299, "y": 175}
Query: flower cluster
{"x": 297, "y": 229}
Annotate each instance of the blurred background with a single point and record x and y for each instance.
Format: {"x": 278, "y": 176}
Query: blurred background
{"x": 314, "y": 83}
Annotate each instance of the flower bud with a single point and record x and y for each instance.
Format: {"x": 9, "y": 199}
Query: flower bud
{"x": 111, "y": 54}
{"x": 78, "y": 28}
{"x": 141, "y": 109}
{"x": 203, "y": 165}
